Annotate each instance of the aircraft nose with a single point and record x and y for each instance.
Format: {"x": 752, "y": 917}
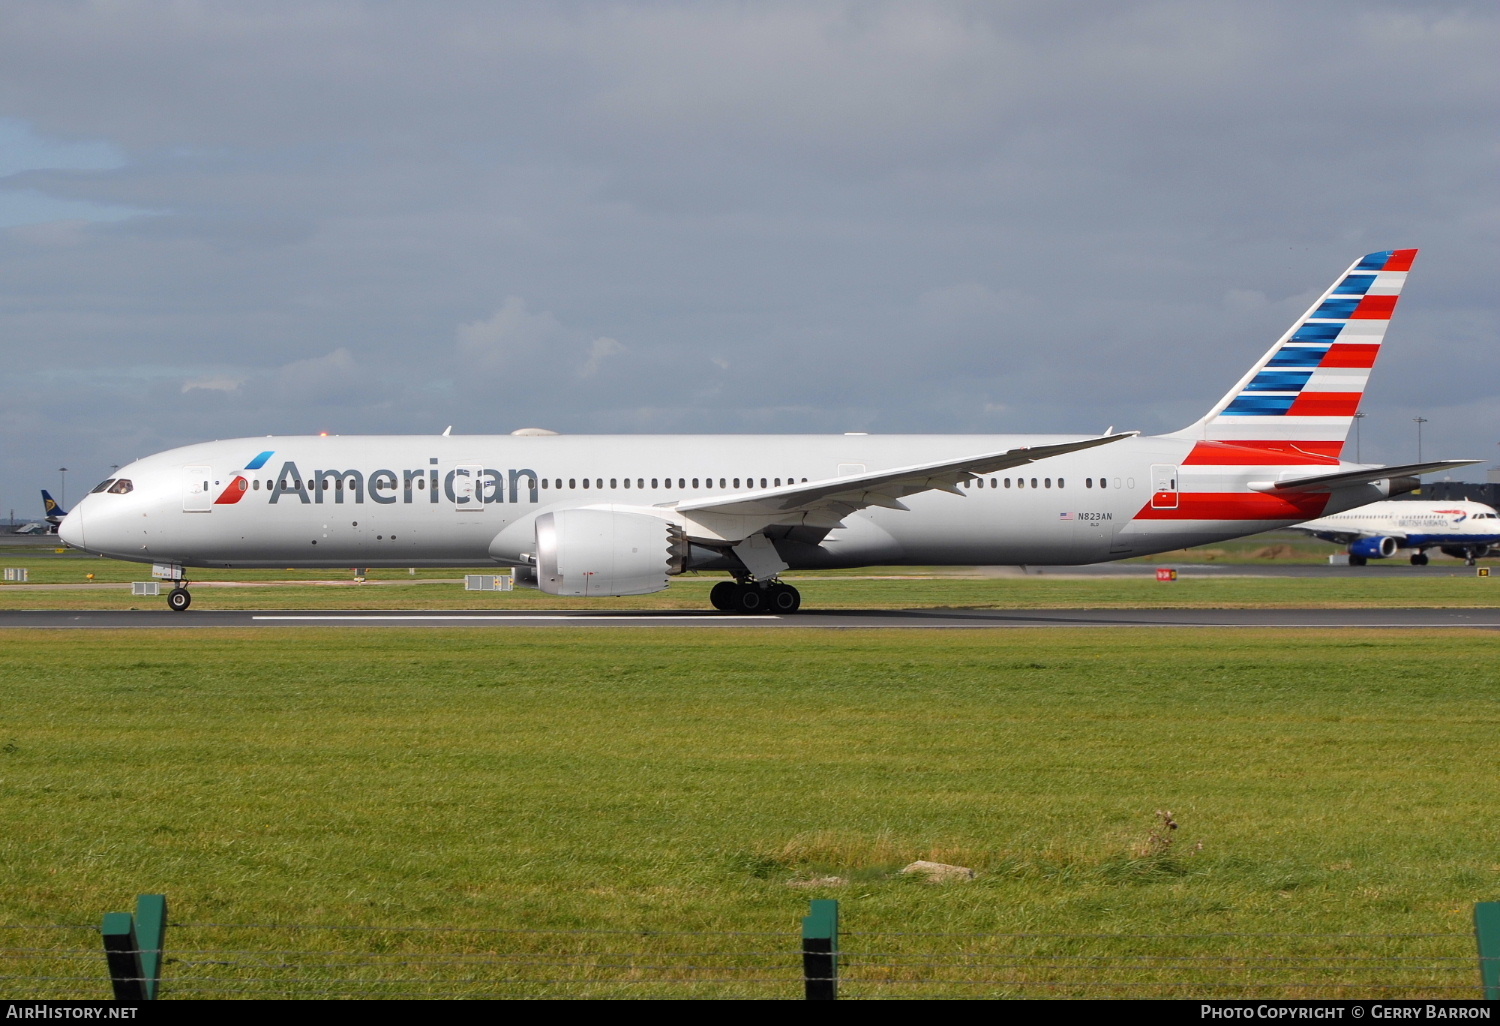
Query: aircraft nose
{"x": 71, "y": 528}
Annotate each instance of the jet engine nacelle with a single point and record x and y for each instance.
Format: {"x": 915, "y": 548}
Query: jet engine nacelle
{"x": 1464, "y": 551}
{"x": 1374, "y": 548}
{"x": 602, "y": 552}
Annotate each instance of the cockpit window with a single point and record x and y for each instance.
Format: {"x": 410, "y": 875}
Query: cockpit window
{"x": 102, "y": 486}
{"x": 121, "y": 487}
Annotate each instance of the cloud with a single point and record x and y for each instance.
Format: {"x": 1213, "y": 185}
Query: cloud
{"x": 329, "y": 379}
{"x": 514, "y": 339}
{"x": 601, "y": 350}
{"x": 931, "y": 216}
{"x": 217, "y": 383}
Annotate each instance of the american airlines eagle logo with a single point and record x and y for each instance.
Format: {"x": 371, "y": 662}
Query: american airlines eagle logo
{"x": 240, "y": 485}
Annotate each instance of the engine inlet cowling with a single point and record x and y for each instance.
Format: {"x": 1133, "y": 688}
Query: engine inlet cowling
{"x": 596, "y": 552}
{"x": 1374, "y": 548}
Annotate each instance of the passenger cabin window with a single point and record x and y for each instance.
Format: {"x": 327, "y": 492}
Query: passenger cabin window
{"x": 585, "y": 482}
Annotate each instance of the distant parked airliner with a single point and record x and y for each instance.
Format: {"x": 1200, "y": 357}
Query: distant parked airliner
{"x": 621, "y": 515}
{"x": 1464, "y": 530}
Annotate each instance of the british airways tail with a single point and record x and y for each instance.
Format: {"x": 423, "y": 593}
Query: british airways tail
{"x": 53, "y": 511}
{"x": 1303, "y": 394}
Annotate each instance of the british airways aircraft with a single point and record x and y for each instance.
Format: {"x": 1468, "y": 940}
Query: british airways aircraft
{"x": 621, "y": 515}
{"x": 1464, "y": 530}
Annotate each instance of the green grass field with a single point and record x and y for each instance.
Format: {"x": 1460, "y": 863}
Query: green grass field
{"x": 677, "y": 786}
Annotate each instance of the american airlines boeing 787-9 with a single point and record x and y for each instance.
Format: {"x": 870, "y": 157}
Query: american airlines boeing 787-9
{"x": 621, "y": 515}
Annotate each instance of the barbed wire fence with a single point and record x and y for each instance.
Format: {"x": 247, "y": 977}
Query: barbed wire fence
{"x": 212, "y": 960}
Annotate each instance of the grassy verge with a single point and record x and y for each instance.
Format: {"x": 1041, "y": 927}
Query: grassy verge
{"x": 661, "y": 781}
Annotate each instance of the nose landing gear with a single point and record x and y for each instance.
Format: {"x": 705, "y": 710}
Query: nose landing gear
{"x": 755, "y": 597}
{"x": 178, "y": 598}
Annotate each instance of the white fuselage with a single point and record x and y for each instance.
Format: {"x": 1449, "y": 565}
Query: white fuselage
{"x": 1413, "y": 524}
{"x": 399, "y": 501}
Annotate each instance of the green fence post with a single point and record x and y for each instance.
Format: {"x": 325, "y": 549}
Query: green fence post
{"x": 1487, "y": 933}
{"x": 124, "y": 957}
{"x": 820, "y": 950}
{"x": 151, "y": 932}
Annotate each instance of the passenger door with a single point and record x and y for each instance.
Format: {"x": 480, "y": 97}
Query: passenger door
{"x": 1164, "y": 486}
{"x": 196, "y": 497}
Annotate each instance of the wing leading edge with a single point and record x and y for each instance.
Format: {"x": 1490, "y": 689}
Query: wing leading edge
{"x": 826, "y": 502}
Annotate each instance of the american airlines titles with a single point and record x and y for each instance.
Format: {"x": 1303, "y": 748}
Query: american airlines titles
{"x": 460, "y": 485}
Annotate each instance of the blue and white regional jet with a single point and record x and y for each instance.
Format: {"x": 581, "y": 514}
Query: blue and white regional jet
{"x": 1462, "y": 529}
{"x": 622, "y": 515}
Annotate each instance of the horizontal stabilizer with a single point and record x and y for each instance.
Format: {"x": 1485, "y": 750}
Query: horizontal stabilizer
{"x": 1332, "y": 482}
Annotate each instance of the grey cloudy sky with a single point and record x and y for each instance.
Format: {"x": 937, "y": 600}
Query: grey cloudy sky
{"x": 222, "y": 219}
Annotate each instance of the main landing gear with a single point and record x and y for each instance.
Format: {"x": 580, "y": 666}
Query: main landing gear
{"x": 178, "y": 598}
{"x": 1419, "y": 559}
{"x": 755, "y": 597}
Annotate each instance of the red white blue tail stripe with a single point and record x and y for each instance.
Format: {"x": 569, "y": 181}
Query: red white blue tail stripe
{"x": 1302, "y": 396}
{"x": 1292, "y": 411}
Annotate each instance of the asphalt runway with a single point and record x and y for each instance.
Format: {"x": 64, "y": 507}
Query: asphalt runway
{"x": 1325, "y": 619}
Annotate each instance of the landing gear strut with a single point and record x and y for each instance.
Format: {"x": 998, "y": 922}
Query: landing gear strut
{"x": 755, "y": 597}
{"x": 178, "y": 598}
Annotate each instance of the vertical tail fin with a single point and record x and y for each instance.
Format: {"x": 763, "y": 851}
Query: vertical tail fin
{"x": 53, "y": 510}
{"x": 1303, "y": 394}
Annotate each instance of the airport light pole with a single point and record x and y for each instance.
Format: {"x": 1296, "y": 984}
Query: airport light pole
{"x": 1357, "y": 418}
{"x": 1419, "y": 421}
{"x": 62, "y": 487}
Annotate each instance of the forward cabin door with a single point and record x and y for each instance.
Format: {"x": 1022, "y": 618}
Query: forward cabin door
{"x": 196, "y": 498}
{"x": 1164, "y": 486}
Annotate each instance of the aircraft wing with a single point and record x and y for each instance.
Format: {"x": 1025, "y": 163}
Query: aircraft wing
{"x": 828, "y": 501}
{"x": 1332, "y": 482}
